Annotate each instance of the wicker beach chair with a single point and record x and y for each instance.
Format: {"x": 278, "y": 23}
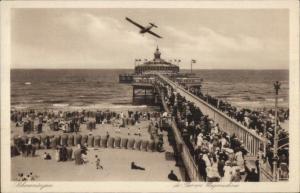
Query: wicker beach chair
{"x": 44, "y": 141}
{"x": 71, "y": 140}
{"x": 150, "y": 146}
{"x": 104, "y": 142}
{"x": 130, "y": 144}
{"x": 64, "y": 140}
{"x": 78, "y": 139}
{"x": 110, "y": 142}
{"x": 138, "y": 144}
{"x": 90, "y": 141}
{"x": 69, "y": 153}
{"x": 118, "y": 142}
{"x": 53, "y": 142}
{"x": 84, "y": 139}
{"x": 97, "y": 141}
{"x": 144, "y": 145}
{"x": 124, "y": 142}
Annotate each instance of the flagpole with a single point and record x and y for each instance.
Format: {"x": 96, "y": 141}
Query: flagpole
{"x": 191, "y": 66}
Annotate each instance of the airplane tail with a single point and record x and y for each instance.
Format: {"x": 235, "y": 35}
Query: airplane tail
{"x": 153, "y": 24}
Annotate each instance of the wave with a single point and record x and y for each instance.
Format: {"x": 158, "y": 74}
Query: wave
{"x": 273, "y": 100}
{"x": 60, "y": 105}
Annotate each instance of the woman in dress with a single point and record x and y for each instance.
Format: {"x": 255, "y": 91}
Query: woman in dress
{"x": 227, "y": 172}
{"x": 57, "y": 155}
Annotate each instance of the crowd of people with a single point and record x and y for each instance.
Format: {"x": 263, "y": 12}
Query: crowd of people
{"x": 72, "y": 121}
{"x": 219, "y": 156}
{"x": 262, "y": 122}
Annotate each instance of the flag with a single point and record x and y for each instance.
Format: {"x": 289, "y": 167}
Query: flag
{"x": 193, "y": 61}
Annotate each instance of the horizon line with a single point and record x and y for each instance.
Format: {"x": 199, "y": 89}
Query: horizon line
{"x": 133, "y": 69}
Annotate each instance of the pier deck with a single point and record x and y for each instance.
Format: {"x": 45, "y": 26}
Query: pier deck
{"x": 253, "y": 143}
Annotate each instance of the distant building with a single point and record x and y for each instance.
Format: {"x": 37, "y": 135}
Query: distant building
{"x": 156, "y": 65}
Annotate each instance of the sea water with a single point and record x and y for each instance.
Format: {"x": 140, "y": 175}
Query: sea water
{"x": 90, "y": 88}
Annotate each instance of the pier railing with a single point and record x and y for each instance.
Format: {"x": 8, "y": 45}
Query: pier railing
{"x": 250, "y": 139}
{"x": 187, "y": 158}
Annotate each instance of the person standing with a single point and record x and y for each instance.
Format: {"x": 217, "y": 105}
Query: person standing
{"x": 98, "y": 165}
{"x": 202, "y": 168}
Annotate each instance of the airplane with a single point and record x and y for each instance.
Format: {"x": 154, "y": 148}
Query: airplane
{"x": 146, "y": 29}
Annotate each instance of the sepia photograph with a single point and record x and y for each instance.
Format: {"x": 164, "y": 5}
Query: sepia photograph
{"x": 155, "y": 93}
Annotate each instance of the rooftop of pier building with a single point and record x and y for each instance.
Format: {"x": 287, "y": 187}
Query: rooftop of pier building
{"x": 157, "y": 64}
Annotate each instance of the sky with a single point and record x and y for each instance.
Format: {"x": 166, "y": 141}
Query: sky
{"x": 102, "y": 38}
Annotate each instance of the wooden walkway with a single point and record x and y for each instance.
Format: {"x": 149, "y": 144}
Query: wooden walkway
{"x": 251, "y": 140}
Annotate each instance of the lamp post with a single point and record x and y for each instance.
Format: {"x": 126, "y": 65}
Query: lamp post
{"x": 275, "y": 156}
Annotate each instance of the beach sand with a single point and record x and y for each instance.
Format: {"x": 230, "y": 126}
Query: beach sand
{"x": 116, "y": 166}
{"x": 116, "y": 162}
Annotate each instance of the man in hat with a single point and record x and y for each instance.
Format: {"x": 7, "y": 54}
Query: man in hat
{"x": 202, "y": 167}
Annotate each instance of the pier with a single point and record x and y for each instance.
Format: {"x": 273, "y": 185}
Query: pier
{"x": 154, "y": 82}
{"x": 252, "y": 141}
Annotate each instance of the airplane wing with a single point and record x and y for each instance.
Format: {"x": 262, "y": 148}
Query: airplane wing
{"x": 151, "y": 32}
{"x": 134, "y": 23}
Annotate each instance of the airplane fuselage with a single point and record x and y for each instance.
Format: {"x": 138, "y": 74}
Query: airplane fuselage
{"x": 146, "y": 29}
